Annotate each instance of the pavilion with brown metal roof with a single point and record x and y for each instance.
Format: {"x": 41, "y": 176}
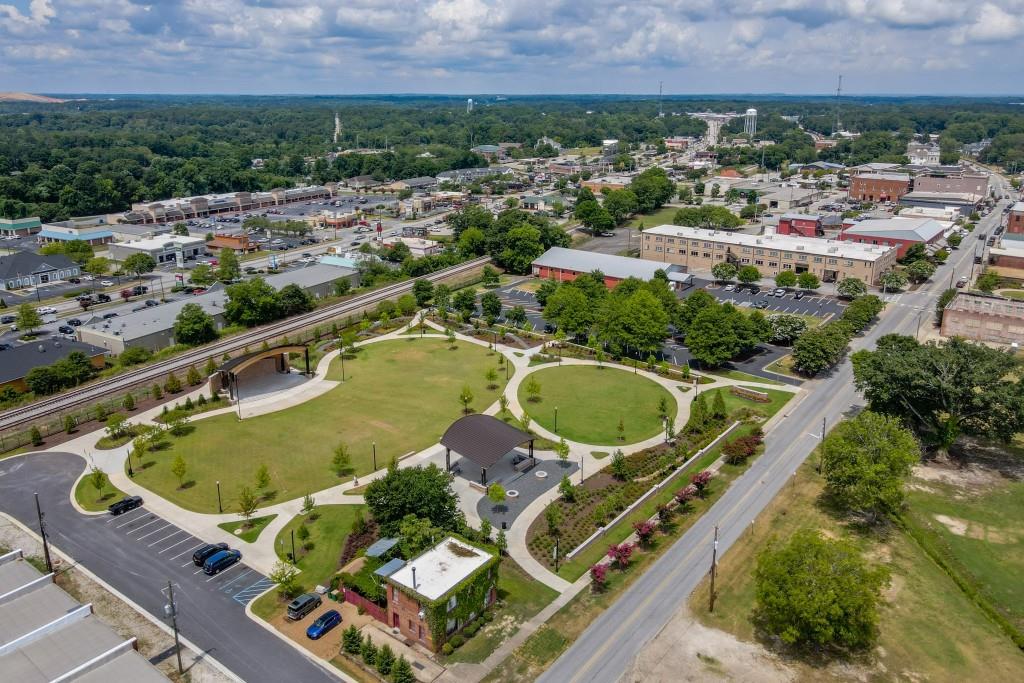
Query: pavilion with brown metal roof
{"x": 484, "y": 440}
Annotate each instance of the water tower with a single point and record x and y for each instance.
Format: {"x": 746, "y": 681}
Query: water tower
{"x": 750, "y": 123}
{"x": 469, "y": 105}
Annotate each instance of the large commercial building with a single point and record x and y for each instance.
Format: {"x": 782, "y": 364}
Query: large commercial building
{"x": 898, "y": 232}
{"x": 163, "y": 249}
{"x": 93, "y": 230}
{"x": 879, "y": 187}
{"x": 185, "y": 208}
{"x": 46, "y": 635}
{"x": 983, "y": 318}
{"x": 965, "y": 183}
{"x": 803, "y": 224}
{"x": 564, "y": 265}
{"x": 26, "y": 269}
{"x": 153, "y": 328}
{"x": 698, "y": 250}
{"x": 962, "y": 202}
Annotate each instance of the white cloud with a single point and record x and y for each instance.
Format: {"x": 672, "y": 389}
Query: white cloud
{"x": 508, "y": 45}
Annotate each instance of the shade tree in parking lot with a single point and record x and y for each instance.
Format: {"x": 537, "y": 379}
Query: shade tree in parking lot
{"x": 201, "y": 274}
{"x": 97, "y": 265}
{"x": 785, "y": 329}
{"x": 723, "y": 271}
{"x": 748, "y": 274}
{"x": 620, "y": 204}
{"x": 490, "y": 304}
{"x": 785, "y": 278}
{"x": 851, "y": 287}
{"x": 27, "y": 319}
{"x": 720, "y": 332}
{"x": 808, "y": 281}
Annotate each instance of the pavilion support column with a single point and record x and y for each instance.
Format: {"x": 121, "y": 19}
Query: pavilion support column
{"x": 307, "y": 361}
{"x": 532, "y": 458}
{"x": 483, "y": 476}
{"x": 447, "y": 459}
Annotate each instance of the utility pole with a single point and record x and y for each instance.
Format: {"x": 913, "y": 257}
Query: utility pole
{"x": 42, "y": 532}
{"x": 714, "y": 571}
{"x": 839, "y": 92}
{"x": 171, "y": 610}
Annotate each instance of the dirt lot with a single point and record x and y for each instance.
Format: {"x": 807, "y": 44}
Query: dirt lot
{"x": 329, "y": 645}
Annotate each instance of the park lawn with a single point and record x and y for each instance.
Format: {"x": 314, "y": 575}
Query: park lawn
{"x": 520, "y": 598}
{"x": 662, "y": 216}
{"x": 251, "y": 529}
{"x": 1011, "y": 293}
{"x": 981, "y": 534}
{"x": 929, "y": 630}
{"x": 591, "y": 401}
{"x": 88, "y": 498}
{"x": 401, "y": 395}
{"x": 734, "y": 402}
{"x": 327, "y": 533}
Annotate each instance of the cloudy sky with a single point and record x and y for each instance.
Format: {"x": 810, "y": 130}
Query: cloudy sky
{"x": 511, "y": 46}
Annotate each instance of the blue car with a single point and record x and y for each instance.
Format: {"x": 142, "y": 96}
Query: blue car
{"x": 323, "y": 624}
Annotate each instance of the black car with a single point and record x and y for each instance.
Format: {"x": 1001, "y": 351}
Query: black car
{"x": 126, "y": 504}
{"x": 7, "y": 319}
{"x": 152, "y": 302}
{"x": 108, "y": 316}
{"x": 66, "y": 329}
{"x": 103, "y": 298}
{"x": 74, "y": 280}
{"x": 200, "y": 556}
{"x": 760, "y": 304}
{"x": 74, "y": 322}
{"x": 799, "y": 294}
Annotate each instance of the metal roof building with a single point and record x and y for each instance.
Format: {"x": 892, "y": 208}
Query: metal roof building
{"x": 46, "y": 635}
{"x": 561, "y": 264}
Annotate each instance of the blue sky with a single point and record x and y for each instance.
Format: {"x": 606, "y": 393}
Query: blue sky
{"x": 511, "y": 46}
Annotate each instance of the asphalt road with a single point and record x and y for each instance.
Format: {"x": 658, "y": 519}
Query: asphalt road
{"x": 606, "y": 650}
{"x": 138, "y": 552}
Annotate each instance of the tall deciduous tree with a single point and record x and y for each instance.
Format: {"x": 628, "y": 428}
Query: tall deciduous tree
{"x": 817, "y": 592}
{"x": 943, "y": 390}
{"x": 194, "y": 326}
{"x": 422, "y": 491}
{"x": 865, "y": 461}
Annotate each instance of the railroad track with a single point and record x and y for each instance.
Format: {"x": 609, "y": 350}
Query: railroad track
{"x": 48, "y": 407}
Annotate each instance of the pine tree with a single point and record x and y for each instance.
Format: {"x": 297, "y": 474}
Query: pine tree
{"x": 211, "y": 366}
{"x": 172, "y": 385}
{"x": 718, "y": 410}
{"x": 36, "y": 436}
{"x": 156, "y": 392}
{"x": 129, "y": 402}
{"x": 193, "y": 377}
{"x": 368, "y": 651}
{"x": 402, "y": 671}
{"x": 698, "y": 415}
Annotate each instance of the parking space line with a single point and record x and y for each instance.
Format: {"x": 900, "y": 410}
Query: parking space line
{"x": 155, "y": 531}
{"x": 165, "y": 538}
{"x": 241, "y": 577}
{"x": 222, "y": 573}
{"x": 187, "y": 552}
{"x": 124, "y": 522}
{"x": 195, "y": 572}
{"x": 152, "y": 521}
{"x": 184, "y": 540}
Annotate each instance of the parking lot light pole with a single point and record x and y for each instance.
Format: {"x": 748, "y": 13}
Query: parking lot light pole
{"x": 374, "y": 456}
{"x": 220, "y": 508}
{"x": 556, "y": 419}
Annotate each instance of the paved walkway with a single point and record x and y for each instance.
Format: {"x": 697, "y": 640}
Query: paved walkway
{"x": 261, "y": 554}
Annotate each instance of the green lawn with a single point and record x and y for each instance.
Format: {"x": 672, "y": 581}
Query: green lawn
{"x": 734, "y": 402}
{"x": 591, "y": 401}
{"x": 980, "y": 533}
{"x": 92, "y": 500}
{"x": 783, "y": 366}
{"x": 251, "y": 530}
{"x": 520, "y": 598}
{"x": 929, "y": 630}
{"x": 1011, "y": 293}
{"x": 327, "y": 533}
{"x": 662, "y": 216}
{"x": 400, "y": 394}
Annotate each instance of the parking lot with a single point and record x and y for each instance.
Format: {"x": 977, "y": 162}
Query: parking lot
{"x": 138, "y": 553}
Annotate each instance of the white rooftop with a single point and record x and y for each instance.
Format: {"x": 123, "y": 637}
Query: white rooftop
{"x": 1018, "y": 206}
{"x": 441, "y": 568}
{"x": 162, "y": 241}
{"x": 770, "y": 240}
{"x": 924, "y": 229}
{"x": 884, "y": 176}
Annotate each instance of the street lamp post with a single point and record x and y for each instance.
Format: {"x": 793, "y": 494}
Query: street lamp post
{"x": 374, "y": 456}
{"x": 556, "y": 418}
{"x": 220, "y": 508}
